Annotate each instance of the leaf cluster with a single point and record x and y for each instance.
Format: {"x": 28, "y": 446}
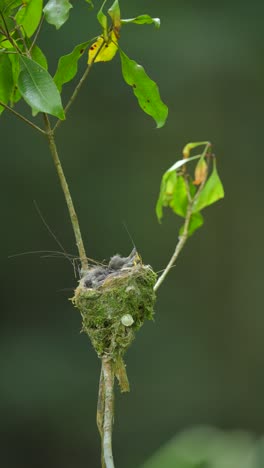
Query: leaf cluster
{"x": 185, "y": 192}
{"x": 24, "y": 67}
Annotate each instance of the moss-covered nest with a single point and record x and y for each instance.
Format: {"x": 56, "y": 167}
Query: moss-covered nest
{"x": 114, "y": 307}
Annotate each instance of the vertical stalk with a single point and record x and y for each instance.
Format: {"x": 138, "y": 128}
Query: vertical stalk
{"x": 108, "y": 373}
{"x": 100, "y": 414}
{"x": 67, "y": 194}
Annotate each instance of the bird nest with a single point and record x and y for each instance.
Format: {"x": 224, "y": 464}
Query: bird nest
{"x": 114, "y": 301}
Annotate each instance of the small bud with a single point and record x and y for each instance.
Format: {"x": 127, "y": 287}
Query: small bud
{"x": 127, "y": 320}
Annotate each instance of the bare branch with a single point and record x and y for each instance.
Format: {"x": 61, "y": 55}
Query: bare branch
{"x": 108, "y": 373}
{"x": 21, "y": 117}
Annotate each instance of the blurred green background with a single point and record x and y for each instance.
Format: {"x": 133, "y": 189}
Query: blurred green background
{"x": 201, "y": 362}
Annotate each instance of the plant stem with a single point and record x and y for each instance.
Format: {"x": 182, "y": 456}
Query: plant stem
{"x": 67, "y": 194}
{"x": 78, "y": 87}
{"x": 36, "y": 34}
{"x": 100, "y": 413}
{"x": 21, "y": 117}
{"x": 108, "y": 373}
{"x": 182, "y": 240}
{"x": 74, "y": 95}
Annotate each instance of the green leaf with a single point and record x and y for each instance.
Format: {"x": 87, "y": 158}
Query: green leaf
{"x": 6, "y": 80}
{"x": 208, "y": 447}
{"x": 187, "y": 148}
{"x": 142, "y": 19}
{"x": 179, "y": 200}
{"x": 7, "y": 8}
{"x": 196, "y": 222}
{"x": 145, "y": 89}
{"x": 7, "y": 45}
{"x": 29, "y": 15}
{"x": 7, "y": 5}
{"x": 68, "y": 65}
{"x": 15, "y": 96}
{"x": 38, "y": 88}
{"x": 38, "y": 56}
{"x": 167, "y": 187}
{"x": 57, "y": 12}
{"x": 103, "y": 19}
{"x": 212, "y": 191}
{"x": 90, "y": 3}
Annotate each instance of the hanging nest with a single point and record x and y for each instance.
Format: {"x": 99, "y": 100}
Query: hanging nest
{"x": 114, "y": 301}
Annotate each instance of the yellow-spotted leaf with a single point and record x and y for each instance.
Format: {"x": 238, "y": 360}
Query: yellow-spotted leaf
{"x": 101, "y": 51}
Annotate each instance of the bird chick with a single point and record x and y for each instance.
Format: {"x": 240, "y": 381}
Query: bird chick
{"x": 95, "y": 277}
{"x": 117, "y": 262}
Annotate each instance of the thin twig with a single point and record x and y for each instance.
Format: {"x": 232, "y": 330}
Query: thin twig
{"x": 78, "y": 87}
{"x": 182, "y": 239}
{"x": 37, "y": 34}
{"x": 21, "y": 117}
{"x": 67, "y": 194}
{"x": 22, "y": 37}
{"x": 107, "y": 367}
{"x": 74, "y": 95}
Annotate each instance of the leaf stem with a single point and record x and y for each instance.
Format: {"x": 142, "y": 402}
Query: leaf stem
{"x": 21, "y": 117}
{"x": 108, "y": 373}
{"x": 67, "y": 194}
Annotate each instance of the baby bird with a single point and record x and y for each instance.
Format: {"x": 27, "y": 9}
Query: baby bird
{"x": 96, "y": 275}
{"x": 117, "y": 262}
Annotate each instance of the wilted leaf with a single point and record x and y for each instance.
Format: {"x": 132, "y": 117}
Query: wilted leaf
{"x": 6, "y": 80}
{"x": 57, "y": 12}
{"x": 38, "y": 88}
{"x": 114, "y": 12}
{"x": 201, "y": 171}
{"x": 146, "y": 90}
{"x": 212, "y": 191}
{"x": 142, "y": 19}
{"x": 68, "y": 65}
{"x": 187, "y": 148}
{"x": 29, "y": 15}
{"x": 107, "y": 52}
